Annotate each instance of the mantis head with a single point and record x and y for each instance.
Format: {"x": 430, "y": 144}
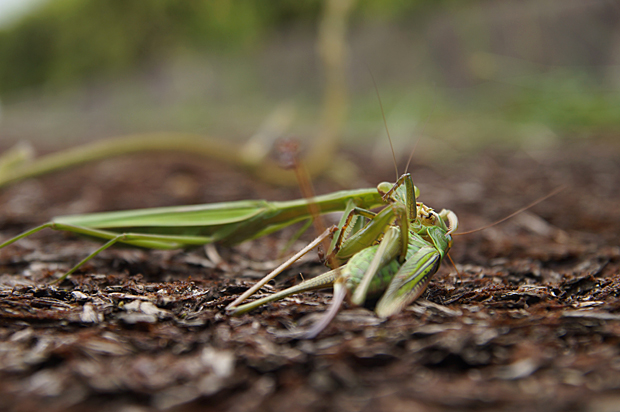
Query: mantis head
{"x": 393, "y": 192}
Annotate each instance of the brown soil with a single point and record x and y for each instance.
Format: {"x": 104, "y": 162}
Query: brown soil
{"x": 531, "y": 321}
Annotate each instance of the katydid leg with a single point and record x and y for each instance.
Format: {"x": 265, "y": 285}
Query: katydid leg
{"x": 322, "y": 281}
{"x": 340, "y": 292}
{"x": 280, "y": 268}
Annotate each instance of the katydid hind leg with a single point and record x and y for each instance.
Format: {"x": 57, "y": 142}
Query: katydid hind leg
{"x": 340, "y": 292}
{"x": 328, "y": 232}
{"x": 326, "y": 280}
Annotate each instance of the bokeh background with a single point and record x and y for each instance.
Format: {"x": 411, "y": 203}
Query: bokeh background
{"x": 463, "y": 75}
{"x": 509, "y": 101}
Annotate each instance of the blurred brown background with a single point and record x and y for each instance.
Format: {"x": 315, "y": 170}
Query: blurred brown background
{"x": 509, "y": 101}
{"x": 464, "y": 75}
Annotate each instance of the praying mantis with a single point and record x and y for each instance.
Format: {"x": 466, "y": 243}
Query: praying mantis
{"x": 395, "y": 251}
{"x": 392, "y": 253}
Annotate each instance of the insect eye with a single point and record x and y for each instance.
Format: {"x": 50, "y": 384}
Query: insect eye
{"x": 384, "y": 187}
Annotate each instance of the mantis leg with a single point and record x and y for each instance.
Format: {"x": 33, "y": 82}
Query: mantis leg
{"x": 89, "y": 257}
{"x": 411, "y": 193}
{"x": 295, "y": 237}
{"x": 135, "y": 239}
{"x": 26, "y": 233}
{"x": 345, "y": 224}
{"x": 367, "y": 236}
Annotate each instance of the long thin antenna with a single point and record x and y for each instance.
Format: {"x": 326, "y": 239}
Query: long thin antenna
{"x": 289, "y": 152}
{"x": 384, "y": 121}
{"x": 426, "y": 122}
{"x": 555, "y": 192}
{"x": 458, "y": 274}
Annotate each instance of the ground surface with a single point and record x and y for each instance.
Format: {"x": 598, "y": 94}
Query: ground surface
{"x": 532, "y": 321}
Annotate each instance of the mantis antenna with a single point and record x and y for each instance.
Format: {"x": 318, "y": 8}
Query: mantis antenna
{"x": 428, "y": 118}
{"x": 384, "y": 121}
{"x": 426, "y": 121}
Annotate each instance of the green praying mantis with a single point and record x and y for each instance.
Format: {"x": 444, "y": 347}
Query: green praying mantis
{"x": 392, "y": 253}
{"x": 395, "y": 251}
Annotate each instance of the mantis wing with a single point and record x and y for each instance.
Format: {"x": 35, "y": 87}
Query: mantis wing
{"x": 229, "y": 222}
{"x": 194, "y": 215}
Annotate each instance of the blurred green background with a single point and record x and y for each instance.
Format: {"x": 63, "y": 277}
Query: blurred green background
{"x": 462, "y": 74}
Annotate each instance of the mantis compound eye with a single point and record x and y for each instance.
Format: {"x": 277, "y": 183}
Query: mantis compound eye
{"x": 384, "y": 187}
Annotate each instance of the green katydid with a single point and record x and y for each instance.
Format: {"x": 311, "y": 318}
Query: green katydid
{"x": 394, "y": 255}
